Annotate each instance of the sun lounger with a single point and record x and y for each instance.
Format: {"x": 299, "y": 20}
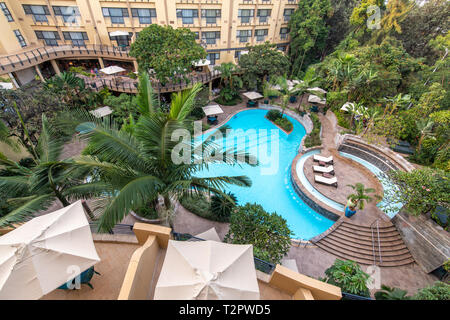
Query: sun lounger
{"x": 319, "y": 158}
{"x": 326, "y": 181}
{"x": 320, "y": 169}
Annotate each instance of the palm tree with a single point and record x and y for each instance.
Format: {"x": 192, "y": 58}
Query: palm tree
{"x": 68, "y": 83}
{"x": 5, "y": 137}
{"x": 425, "y": 127}
{"x": 32, "y": 189}
{"x": 231, "y": 83}
{"x": 139, "y": 166}
{"x": 284, "y": 90}
{"x": 371, "y": 115}
{"x": 360, "y": 197}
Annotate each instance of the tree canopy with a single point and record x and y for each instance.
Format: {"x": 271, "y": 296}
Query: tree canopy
{"x": 167, "y": 51}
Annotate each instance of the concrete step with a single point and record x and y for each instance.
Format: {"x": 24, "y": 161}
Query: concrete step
{"x": 385, "y": 247}
{"x": 361, "y": 236}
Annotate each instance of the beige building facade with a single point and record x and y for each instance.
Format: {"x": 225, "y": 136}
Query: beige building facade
{"x": 223, "y": 27}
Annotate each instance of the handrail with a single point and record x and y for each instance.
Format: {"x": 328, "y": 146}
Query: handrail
{"x": 373, "y": 241}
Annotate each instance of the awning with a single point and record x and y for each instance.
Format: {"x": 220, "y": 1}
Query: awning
{"x": 207, "y": 270}
{"x": 101, "y": 112}
{"x": 212, "y": 109}
{"x": 315, "y": 99}
{"x": 112, "y": 70}
{"x": 252, "y": 95}
{"x": 45, "y": 253}
{"x": 119, "y": 33}
{"x": 6, "y": 85}
{"x": 202, "y": 63}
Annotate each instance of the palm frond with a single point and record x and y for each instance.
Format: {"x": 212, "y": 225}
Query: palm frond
{"x": 146, "y": 96}
{"x": 183, "y": 102}
{"x": 25, "y": 211}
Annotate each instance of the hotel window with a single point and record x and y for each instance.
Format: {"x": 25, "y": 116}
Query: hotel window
{"x": 116, "y": 15}
{"x": 213, "y": 57}
{"x": 264, "y": 15}
{"x": 287, "y": 14}
{"x": 210, "y": 37}
{"x": 187, "y": 15}
{"x": 237, "y": 54}
{"x": 50, "y": 37}
{"x": 282, "y": 48}
{"x": 68, "y": 14}
{"x": 243, "y": 35}
{"x": 284, "y": 33}
{"x": 246, "y": 15}
{"x": 6, "y": 12}
{"x": 197, "y": 35}
{"x": 261, "y": 34}
{"x": 20, "y": 38}
{"x": 211, "y": 15}
{"x": 145, "y": 15}
{"x": 39, "y": 12}
{"x": 78, "y": 38}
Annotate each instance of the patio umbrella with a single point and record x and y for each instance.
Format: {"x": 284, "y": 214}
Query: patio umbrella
{"x": 101, "y": 112}
{"x": 316, "y": 99}
{"x": 119, "y": 33}
{"x": 112, "y": 70}
{"x": 252, "y": 95}
{"x": 212, "y": 109}
{"x": 207, "y": 270}
{"x": 45, "y": 253}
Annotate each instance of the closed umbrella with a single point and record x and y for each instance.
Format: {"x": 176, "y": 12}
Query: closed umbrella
{"x": 45, "y": 253}
{"x": 207, "y": 270}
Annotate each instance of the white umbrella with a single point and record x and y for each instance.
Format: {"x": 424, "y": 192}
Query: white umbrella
{"x": 210, "y": 234}
{"x": 6, "y": 85}
{"x": 118, "y": 33}
{"x": 112, "y": 70}
{"x": 45, "y": 253}
{"x": 207, "y": 270}
{"x": 317, "y": 89}
{"x": 101, "y": 112}
{"x": 212, "y": 109}
{"x": 316, "y": 99}
{"x": 202, "y": 63}
{"x": 252, "y": 95}
{"x": 349, "y": 106}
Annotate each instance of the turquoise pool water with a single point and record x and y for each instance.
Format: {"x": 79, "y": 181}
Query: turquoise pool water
{"x": 271, "y": 183}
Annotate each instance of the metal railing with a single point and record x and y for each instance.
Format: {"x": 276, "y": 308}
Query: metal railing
{"x": 118, "y": 228}
{"x": 128, "y": 85}
{"x": 25, "y": 59}
{"x": 260, "y": 265}
{"x": 373, "y": 241}
{"x": 349, "y": 296}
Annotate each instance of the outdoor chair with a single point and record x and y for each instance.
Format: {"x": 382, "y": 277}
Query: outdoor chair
{"x": 329, "y": 169}
{"x": 251, "y": 104}
{"x": 85, "y": 278}
{"x": 326, "y": 181}
{"x": 212, "y": 120}
{"x": 319, "y": 158}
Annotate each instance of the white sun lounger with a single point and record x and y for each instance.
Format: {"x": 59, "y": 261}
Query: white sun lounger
{"x": 323, "y": 159}
{"x": 329, "y": 169}
{"x": 326, "y": 181}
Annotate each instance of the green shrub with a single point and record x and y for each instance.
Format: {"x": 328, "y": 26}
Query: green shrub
{"x": 336, "y": 99}
{"x": 388, "y": 293}
{"x": 285, "y": 124}
{"x": 148, "y": 211}
{"x": 313, "y": 139}
{"x": 197, "y": 113}
{"x": 342, "y": 120}
{"x": 232, "y": 102}
{"x": 269, "y": 233}
{"x": 273, "y": 115}
{"x": 223, "y": 207}
{"x": 201, "y": 206}
{"x": 438, "y": 291}
{"x": 348, "y": 276}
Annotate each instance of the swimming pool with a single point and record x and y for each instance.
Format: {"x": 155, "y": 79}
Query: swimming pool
{"x": 271, "y": 183}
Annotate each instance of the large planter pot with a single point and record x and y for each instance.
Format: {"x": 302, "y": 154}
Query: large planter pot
{"x": 266, "y": 101}
{"x": 292, "y": 99}
{"x": 145, "y": 220}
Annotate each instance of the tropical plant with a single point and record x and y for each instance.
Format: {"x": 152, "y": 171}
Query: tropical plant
{"x": 222, "y": 207}
{"x": 169, "y": 52}
{"x": 157, "y": 160}
{"x": 35, "y": 188}
{"x": 348, "y": 276}
{"x": 389, "y": 293}
{"x": 72, "y": 88}
{"x": 361, "y": 197}
{"x": 267, "y": 232}
{"x": 438, "y": 291}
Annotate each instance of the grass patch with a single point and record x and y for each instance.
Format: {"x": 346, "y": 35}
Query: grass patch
{"x": 313, "y": 139}
{"x": 342, "y": 120}
{"x": 201, "y": 206}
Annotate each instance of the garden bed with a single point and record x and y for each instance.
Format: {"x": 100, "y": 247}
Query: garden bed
{"x": 313, "y": 139}
{"x": 201, "y": 206}
{"x": 280, "y": 121}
